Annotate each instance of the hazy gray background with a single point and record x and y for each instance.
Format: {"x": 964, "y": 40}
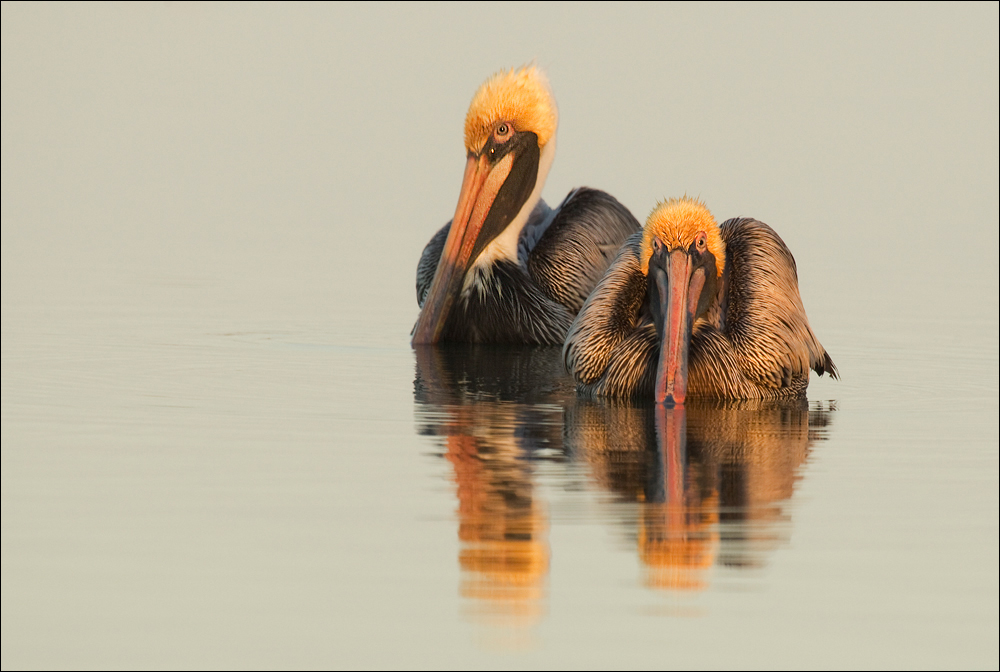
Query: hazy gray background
{"x": 211, "y": 217}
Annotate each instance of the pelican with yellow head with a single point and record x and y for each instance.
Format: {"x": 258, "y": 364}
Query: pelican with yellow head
{"x": 691, "y": 308}
{"x": 507, "y": 268}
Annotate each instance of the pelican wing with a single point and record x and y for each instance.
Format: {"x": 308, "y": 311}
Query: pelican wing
{"x": 578, "y": 242}
{"x": 608, "y": 316}
{"x": 428, "y": 263}
{"x": 764, "y": 317}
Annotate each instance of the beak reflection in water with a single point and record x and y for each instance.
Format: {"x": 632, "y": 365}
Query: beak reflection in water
{"x": 710, "y": 480}
{"x": 697, "y": 487}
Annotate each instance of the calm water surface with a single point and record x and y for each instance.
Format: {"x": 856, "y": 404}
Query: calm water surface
{"x": 219, "y": 448}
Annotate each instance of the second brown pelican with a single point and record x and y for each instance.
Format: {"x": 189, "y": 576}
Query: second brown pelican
{"x": 690, "y": 307}
{"x": 507, "y": 268}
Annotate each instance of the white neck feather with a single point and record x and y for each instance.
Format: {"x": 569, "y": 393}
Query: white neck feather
{"x": 504, "y": 246}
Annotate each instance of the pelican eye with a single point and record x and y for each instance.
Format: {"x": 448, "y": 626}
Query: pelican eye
{"x": 701, "y": 242}
{"x": 503, "y": 132}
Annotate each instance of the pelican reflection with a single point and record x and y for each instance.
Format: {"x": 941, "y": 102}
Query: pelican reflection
{"x": 711, "y": 480}
{"x": 495, "y": 410}
{"x": 708, "y": 483}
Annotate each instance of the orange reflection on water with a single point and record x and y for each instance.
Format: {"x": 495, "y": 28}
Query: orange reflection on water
{"x": 504, "y": 555}
{"x": 678, "y": 536}
{"x": 677, "y": 544}
{"x": 708, "y": 483}
{"x": 502, "y": 526}
{"x": 710, "y": 480}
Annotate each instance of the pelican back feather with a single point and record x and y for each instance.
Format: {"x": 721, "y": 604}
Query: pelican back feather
{"x": 429, "y": 258}
{"x": 579, "y": 244}
{"x": 764, "y": 320}
{"x": 608, "y": 317}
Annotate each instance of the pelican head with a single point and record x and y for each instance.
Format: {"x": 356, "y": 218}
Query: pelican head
{"x": 510, "y": 143}
{"x": 683, "y": 257}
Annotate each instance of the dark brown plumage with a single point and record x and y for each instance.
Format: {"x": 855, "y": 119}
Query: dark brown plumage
{"x": 747, "y": 336}
{"x": 562, "y": 254}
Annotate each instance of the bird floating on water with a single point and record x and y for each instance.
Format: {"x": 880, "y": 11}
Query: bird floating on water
{"x": 691, "y": 308}
{"x": 507, "y": 268}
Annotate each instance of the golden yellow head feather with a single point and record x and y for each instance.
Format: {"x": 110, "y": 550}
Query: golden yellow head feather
{"x": 677, "y": 222}
{"x": 520, "y": 97}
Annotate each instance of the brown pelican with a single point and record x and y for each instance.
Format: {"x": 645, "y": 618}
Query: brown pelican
{"x": 507, "y": 268}
{"x": 691, "y": 307}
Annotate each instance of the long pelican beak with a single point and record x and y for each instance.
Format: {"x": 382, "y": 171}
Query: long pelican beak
{"x": 493, "y": 192}
{"x": 678, "y": 285}
{"x": 480, "y": 186}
